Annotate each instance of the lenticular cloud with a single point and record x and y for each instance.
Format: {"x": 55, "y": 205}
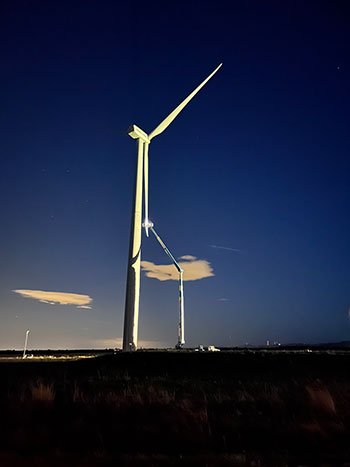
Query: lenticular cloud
{"x": 60, "y": 298}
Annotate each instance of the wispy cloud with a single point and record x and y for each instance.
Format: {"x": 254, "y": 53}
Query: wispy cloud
{"x": 223, "y": 299}
{"x": 219, "y": 247}
{"x": 60, "y": 298}
{"x": 194, "y": 269}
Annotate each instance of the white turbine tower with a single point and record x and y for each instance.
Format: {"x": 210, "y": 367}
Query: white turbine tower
{"x": 132, "y": 299}
{"x": 26, "y": 343}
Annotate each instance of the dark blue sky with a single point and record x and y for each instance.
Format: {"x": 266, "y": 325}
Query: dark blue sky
{"x": 259, "y": 162}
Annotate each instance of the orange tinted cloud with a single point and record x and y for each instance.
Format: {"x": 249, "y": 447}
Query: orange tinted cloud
{"x": 53, "y": 298}
{"x": 194, "y": 269}
{"x": 188, "y": 257}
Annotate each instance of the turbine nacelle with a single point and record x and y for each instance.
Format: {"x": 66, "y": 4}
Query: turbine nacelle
{"x": 136, "y": 133}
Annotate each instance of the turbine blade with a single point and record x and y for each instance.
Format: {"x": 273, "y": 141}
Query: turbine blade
{"x": 145, "y": 178}
{"x": 166, "y": 122}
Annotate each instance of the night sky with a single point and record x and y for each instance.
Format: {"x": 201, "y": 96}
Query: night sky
{"x": 251, "y": 180}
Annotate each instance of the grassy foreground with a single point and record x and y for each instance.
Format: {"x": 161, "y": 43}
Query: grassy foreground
{"x": 177, "y": 408}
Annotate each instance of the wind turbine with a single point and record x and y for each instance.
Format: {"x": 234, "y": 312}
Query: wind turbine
{"x": 25, "y": 343}
{"x": 132, "y": 298}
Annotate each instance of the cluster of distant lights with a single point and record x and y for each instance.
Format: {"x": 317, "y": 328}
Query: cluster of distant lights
{"x": 55, "y": 357}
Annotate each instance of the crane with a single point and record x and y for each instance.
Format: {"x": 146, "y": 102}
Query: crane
{"x": 181, "y": 328}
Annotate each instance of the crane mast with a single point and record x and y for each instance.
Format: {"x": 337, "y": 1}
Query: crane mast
{"x": 181, "y": 327}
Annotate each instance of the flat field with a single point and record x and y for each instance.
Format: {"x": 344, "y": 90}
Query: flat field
{"x": 162, "y": 408}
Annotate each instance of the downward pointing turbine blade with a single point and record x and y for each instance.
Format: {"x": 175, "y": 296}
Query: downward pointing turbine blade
{"x": 145, "y": 178}
{"x": 166, "y": 122}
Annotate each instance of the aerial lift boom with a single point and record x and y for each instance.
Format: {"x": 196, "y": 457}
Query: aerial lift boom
{"x": 181, "y": 328}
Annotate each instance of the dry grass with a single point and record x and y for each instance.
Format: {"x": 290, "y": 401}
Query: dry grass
{"x": 42, "y": 392}
{"x": 321, "y": 399}
{"x": 132, "y": 396}
{"x": 78, "y": 397}
{"x": 102, "y": 415}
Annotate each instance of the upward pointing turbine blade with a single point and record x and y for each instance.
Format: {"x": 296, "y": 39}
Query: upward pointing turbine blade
{"x": 166, "y": 122}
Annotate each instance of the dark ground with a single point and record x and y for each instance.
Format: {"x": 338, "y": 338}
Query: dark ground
{"x": 235, "y": 408}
